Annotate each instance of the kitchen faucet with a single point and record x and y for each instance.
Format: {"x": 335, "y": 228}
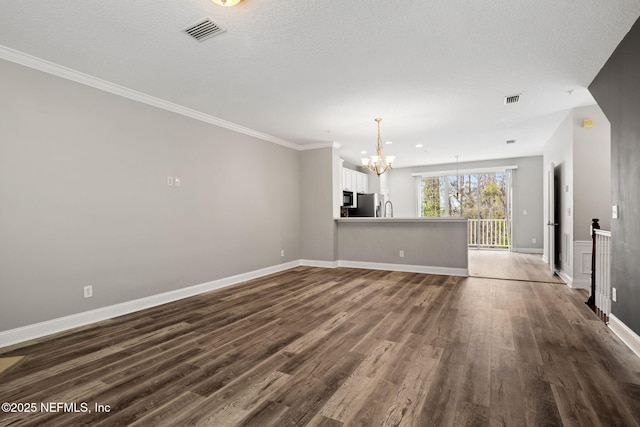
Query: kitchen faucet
{"x": 390, "y": 210}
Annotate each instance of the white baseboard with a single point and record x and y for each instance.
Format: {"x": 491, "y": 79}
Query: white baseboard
{"x": 37, "y": 330}
{"x": 314, "y": 263}
{"x": 565, "y": 277}
{"x": 580, "y": 284}
{"x": 528, "y": 250}
{"x": 630, "y": 338}
{"x": 574, "y": 283}
{"x": 41, "y": 329}
{"x": 446, "y": 271}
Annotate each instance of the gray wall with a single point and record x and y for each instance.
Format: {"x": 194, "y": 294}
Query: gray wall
{"x": 84, "y": 199}
{"x": 374, "y": 181}
{"x": 559, "y": 151}
{"x": 318, "y": 229}
{"x": 583, "y": 168}
{"x": 527, "y": 195}
{"x": 434, "y": 244}
{"x": 591, "y": 170}
{"x": 617, "y": 90}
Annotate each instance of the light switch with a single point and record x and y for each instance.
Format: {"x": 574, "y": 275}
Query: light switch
{"x": 614, "y": 211}
{"x": 524, "y": 212}
{"x": 177, "y": 182}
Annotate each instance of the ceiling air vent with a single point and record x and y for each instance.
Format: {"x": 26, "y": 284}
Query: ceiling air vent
{"x": 513, "y": 99}
{"x": 204, "y": 29}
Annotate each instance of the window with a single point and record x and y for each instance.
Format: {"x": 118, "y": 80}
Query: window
{"x": 483, "y": 197}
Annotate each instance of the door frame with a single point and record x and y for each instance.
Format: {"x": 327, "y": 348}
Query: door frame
{"x": 551, "y": 216}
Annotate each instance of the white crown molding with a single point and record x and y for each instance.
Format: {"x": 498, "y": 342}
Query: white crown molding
{"x": 315, "y": 146}
{"x": 30, "y": 61}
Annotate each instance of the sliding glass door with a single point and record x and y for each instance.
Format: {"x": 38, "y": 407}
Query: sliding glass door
{"x": 484, "y": 198}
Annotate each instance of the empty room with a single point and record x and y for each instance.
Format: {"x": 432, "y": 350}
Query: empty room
{"x": 259, "y": 213}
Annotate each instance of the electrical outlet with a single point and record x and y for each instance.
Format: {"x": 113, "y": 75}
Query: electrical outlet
{"x": 88, "y": 291}
{"x": 524, "y": 212}
{"x": 401, "y": 254}
{"x": 169, "y": 180}
{"x": 282, "y": 252}
{"x": 534, "y": 240}
{"x": 614, "y": 294}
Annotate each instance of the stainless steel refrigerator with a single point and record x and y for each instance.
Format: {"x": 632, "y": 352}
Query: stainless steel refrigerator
{"x": 368, "y": 205}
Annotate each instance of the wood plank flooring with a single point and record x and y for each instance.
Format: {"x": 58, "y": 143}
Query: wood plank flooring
{"x": 509, "y": 265}
{"x": 338, "y": 347}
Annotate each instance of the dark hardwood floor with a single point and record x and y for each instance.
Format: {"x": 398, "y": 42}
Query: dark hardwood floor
{"x": 333, "y": 347}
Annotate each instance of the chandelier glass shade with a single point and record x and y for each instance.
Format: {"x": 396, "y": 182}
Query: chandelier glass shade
{"x": 378, "y": 163}
{"x": 226, "y": 3}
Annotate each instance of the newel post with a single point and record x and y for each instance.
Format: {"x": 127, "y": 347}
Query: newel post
{"x": 592, "y": 298}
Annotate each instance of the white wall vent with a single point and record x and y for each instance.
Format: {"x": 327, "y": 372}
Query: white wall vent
{"x": 204, "y": 29}
{"x": 512, "y": 99}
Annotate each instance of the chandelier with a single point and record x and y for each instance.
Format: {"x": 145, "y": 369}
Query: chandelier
{"x": 378, "y": 163}
{"x": 226, "y": 3}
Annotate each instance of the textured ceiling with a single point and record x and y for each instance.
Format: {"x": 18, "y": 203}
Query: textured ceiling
{"x": 315, "y": 71}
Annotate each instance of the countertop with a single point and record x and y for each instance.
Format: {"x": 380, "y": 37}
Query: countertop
{"x": 400, "y": 220}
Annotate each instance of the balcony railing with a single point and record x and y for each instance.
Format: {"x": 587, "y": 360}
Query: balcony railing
{"x": 602, "y": 272}
{"x": 488, "y": 233}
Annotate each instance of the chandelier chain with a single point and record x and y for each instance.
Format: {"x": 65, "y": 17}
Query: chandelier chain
{"x": 378, "y": 163}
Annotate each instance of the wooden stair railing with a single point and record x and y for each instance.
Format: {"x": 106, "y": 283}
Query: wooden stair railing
{"x": 591, "y": 302}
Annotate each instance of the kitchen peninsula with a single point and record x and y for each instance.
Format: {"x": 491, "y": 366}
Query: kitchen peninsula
{"x": 422, "y": 245}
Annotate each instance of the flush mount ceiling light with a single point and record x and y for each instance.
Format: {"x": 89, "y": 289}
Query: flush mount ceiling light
{"x": 226, "y": 3}
{"x": 378, "y": 163}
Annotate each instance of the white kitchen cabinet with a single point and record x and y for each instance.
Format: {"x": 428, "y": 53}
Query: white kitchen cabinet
{"x": 346, "y": 179}
{"x": 355, "y": 181}
{"x": 362, "y": 181}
